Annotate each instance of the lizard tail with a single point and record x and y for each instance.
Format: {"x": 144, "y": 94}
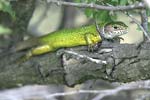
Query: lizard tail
{"x": 20, "y": 46}
{"x": 25, "y": 45}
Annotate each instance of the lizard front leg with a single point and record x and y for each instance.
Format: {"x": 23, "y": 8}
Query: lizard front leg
{"x": 91, "y": 40}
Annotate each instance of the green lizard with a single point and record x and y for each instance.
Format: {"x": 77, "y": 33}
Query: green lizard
{"x": 86, "y": 35}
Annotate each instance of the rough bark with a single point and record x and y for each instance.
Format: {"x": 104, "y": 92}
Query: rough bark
{"x": 125, "y": 63}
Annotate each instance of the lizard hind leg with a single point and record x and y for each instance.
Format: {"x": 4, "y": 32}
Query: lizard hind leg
{"x": 35, "y": 51}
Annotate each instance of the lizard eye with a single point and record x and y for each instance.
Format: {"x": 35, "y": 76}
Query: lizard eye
{"x": 115, "y": 27}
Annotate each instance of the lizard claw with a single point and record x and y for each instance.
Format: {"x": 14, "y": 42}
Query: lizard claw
{"x": 120, "y": 38}
{"x": 92, "y": 47}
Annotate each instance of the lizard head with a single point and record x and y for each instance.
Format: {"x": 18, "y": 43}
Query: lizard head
{"x": 114, "y": 29}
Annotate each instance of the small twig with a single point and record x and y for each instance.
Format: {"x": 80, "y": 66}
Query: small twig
{"x": 99, "y": 7}
{"x": 100, "y": 30}
{"x": 143, "y": 97}
{"x": 129, "y": 86}
{"x": 107, "y": 92}
{"x": 144, "y": 20}
{"x": 98, "y": 61}
{"x": 140, "y": 26}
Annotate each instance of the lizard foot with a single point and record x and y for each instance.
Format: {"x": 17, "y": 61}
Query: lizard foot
{"x": 92, "y": 47}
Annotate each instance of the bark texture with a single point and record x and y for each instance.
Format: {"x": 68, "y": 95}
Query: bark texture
{"x": 125, "y": 63}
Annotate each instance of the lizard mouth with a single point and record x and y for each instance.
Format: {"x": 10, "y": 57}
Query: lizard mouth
{"x": 119, "y": 32}
{"x": 113, "y": 34}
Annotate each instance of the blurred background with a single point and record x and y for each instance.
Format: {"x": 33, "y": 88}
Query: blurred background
{"x": 48, "y": 17}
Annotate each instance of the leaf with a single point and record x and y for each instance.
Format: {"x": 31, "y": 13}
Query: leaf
{"x": 123, "y": 2}
{"x": 103, "y": 16}
{"x": 148, "y": 11}
{"x": 4, "y": 30}
{"x": 114, "y": 0}
{"x": 92, "y": 1}
{"x": 89, "y": 12}
{"x": 130, "y": 1}
{"x": 78, "y": 1}
{"x": 113, "y": 15}
{"x": 149, "y": 27}
{"x": 5, "y": 6}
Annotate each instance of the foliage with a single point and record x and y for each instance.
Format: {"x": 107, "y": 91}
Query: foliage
{"x": 105, "y": 16}
{"x": 5, "y": 7}
{"x": 4, "y": 30}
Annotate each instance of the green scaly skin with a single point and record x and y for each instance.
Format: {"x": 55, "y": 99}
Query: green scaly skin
{"x": 86, "y": 35}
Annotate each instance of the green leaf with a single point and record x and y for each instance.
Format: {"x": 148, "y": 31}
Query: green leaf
{"x": 123, "y": 2}
{"x": 92, "y": 1}
{"x": 149, "y": 27}
{"x": 113, "y": 15}
{"x": 78, "y": 1}
{"x": 5, "y": 6}
{"x": 4, "y": 30}
{"x": 114, "y": 0}
{"x": 89, "y": 12}
{"x": 103, "y": 16}
{"x": 148, "y": 11}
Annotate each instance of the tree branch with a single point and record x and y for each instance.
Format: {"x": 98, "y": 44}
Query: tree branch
{"x": 127, "y": 91}
{"x": 99, "y": 7}
{"x": 144, "y": 22}
{"x": 144, "y": 85}
{"x": 125, "y": 63}
{"x": 142, "y": 26}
